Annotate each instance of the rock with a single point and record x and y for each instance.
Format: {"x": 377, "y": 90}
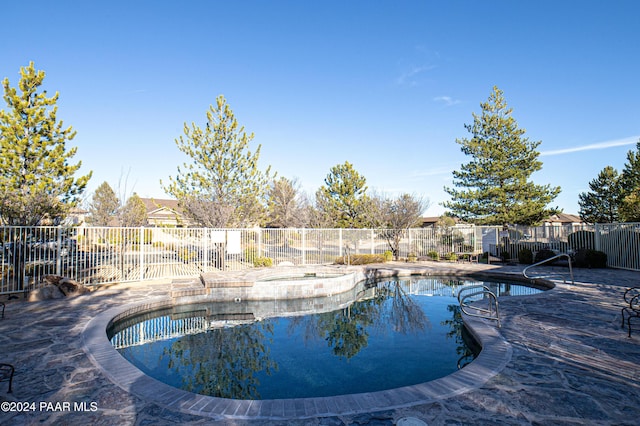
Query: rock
{"x": 52, "y": 279}
{"x": 71, "y": 288}
{"x": 47, "y": 292}
{"x": 57, "y": 287}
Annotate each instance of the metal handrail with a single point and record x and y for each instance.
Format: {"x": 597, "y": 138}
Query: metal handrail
{"x": 524, "y": 271}
{"x": 491, "y": 312}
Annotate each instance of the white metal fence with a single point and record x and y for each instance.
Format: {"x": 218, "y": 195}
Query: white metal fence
{"x": 96, "y": 255}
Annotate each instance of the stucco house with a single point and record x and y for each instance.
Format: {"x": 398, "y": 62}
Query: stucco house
{"x": 164, "y": 213}
{"x": 562, "y": 219}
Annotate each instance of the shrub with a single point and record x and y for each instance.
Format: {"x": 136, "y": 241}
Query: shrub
{"x": 187, "y": 255}
{"x": 360, "y": 259}
{"x": 250, "y": 254}
{"x": 525, "y": 256}
{"x": 388, "y": 256}
{"x": 433, "y": 255}
{"x": 466, "y": 257}
{"x": 411, "y": 257}
{"x": 262, "y": 261}
{"x": 544, "y": 254}
{"x": 597, "y": 259}
{"x": 505, "y": 255}
{"x": 587, "y": 258}
{"x": 451, "y": 256}
{"x": 147, "y": 236}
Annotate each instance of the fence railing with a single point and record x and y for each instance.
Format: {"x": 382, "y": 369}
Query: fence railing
{"x": 97, "y": 255}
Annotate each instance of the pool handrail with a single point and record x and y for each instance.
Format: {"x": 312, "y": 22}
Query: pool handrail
{"x": 564, "y": 279}
{"x": 486, "y": 313}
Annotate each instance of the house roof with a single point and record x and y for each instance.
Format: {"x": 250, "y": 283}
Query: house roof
{"x": 155, "y": 204}
{"x": 432, "y": 220}
{"x": 564, "y": 218}
{"x": 161, "y": 211}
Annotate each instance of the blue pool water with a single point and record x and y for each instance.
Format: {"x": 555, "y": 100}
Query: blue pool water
{"x": 387, "y": 334}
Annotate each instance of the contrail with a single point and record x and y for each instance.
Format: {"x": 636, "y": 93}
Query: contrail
{"x": 600, "y": 145}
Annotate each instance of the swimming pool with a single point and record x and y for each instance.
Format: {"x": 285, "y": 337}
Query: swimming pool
{"x": 383, "y": 335}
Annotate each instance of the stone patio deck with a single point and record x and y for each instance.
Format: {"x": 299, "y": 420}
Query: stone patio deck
{"x": 570, "y": 363}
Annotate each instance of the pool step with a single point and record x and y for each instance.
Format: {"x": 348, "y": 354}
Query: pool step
{"x": 228, "y": 280}
{"x": 225, "y": 283}
{"x": 187, "y": 288}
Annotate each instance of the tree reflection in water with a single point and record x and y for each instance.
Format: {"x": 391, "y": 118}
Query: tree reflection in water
{"x": 347, "y": 331}
{"x": 325, "y": 350}
{"x": 466, "y": 349}
{"x": 223, "y": 362}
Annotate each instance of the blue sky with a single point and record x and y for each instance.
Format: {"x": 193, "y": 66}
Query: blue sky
{"x": 385, "y": 85}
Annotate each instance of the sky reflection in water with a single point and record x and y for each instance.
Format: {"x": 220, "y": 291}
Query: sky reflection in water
{"x": 399, "y": 333}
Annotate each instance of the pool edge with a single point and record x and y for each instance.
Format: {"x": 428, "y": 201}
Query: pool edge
{"x": 494, "y": 356}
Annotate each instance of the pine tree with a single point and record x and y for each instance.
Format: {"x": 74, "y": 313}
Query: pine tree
{"x": 343, "y": 200}
{"x": 134, "y": 212}
{"x": 601, "y": 204}
{"x": 495, "y": 185}
{"x": 629, "y": 209}
{"x": 104, "y": 206}
{"x": 36, "y": 181}
{"x": 630, "y": 176}
{"x": 223, "y": 186}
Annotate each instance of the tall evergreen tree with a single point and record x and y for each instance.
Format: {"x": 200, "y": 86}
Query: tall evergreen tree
{"x": 36, "y": 179}
{"x": 630, "y": 176}
{"x": 494, "y": 186}
{"x": 629, "y": 209}
{"x": 223, "y": 186}
{"x": 104, "y": 206}
{"x": 134, "y": 212}
{"x": 343, "y": 198}
{"x": 601, "y": 204}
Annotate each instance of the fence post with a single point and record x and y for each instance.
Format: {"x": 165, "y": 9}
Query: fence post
{"x": 260, "y": 250}
{"x": 340, "y": 242}
{"x": 141, "y": 250}
{"x": 59, "y": 251}
{"x": 304, "y": 247}
{"x": 372, "y": 242}
{"x": 596, "y": 237}
{"x": 205, "y": 248}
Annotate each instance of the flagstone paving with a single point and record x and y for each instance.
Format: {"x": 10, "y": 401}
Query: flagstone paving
{"x": 570, "y": 363}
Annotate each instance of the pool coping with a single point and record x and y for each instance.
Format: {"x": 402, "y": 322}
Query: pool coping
{"x": 496, "y": 353}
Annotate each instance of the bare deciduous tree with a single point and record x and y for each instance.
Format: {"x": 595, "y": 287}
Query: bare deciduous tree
{"x": 397, "y": 215}
{"x": 286, "y": 205}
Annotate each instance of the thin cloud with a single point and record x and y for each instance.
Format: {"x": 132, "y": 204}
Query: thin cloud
{"x": 590, "y": 147}
{"x": 447, "y": 100}
{"x": 436, "y": 171}
{"x": 408, "y": 78}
